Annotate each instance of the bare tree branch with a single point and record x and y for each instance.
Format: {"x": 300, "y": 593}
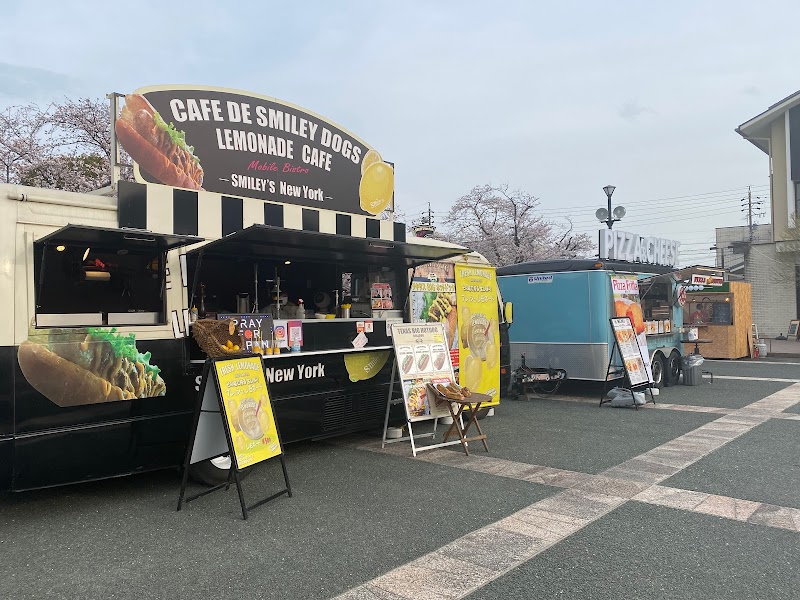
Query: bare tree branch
{"x": 502, "y": 224}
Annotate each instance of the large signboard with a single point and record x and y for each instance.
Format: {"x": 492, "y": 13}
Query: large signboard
{"x": 244, "y": 144}
{"x": 479, "y": 333}
{"x": 616, "y": 244}
{"x": 248, "y": 410}
{"x": 422, "y": 358}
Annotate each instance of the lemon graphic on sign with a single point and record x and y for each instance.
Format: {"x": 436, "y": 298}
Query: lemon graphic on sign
{"x": 364, "y": 365}
{"x": 369, "y": 158}
{"x": 376, "y": 188}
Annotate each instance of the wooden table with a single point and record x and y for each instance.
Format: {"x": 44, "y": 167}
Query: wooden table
{"x": 472, "y": 404}
{"x": 696, "y": 342}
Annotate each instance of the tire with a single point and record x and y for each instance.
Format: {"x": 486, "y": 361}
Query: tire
{"x": 659, "y": 370}
{"x": 673, "y": 372}
{"x": 213, "y": 472}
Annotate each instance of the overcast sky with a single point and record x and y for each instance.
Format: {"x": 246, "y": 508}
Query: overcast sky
{"x": 558, "y": 98}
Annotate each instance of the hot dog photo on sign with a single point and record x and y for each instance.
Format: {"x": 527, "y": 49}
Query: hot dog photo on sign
{"x": 88, "y": 366}
{"x": 160, "y": 149}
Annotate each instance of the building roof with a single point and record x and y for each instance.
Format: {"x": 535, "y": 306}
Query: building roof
{"x": 580, "y": 264}
{"x": 756, "y": 130}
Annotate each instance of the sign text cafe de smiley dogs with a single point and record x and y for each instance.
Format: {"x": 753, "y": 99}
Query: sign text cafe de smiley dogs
{"x": 244, "y": 144}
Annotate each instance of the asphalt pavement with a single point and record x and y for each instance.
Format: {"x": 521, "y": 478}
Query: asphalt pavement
{"x": 694, "y": 497}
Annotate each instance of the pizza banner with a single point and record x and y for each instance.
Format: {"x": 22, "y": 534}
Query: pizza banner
{"x": 625, "y": 290}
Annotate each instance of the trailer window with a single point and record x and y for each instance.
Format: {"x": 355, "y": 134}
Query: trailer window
{"x": 114, "y": 286}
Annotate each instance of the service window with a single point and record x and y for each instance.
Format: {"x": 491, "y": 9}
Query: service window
{"x": 709, "y": 310}
{"x": 82, "y": 285}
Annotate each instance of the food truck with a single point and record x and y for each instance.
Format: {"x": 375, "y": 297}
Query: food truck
{"x": 563, "y": 309}
{"x": 271, "y": 220}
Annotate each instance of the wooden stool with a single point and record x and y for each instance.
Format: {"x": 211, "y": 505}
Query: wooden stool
{"x": 473, "y": 404}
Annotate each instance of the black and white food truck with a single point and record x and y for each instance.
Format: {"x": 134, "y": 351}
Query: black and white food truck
{"x": 272, "y": 219}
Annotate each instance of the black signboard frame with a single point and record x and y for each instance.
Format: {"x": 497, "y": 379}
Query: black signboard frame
{"x": 644, "y": 387}
{"x": 234, "y": 473}
{"x": 794, "y": 329}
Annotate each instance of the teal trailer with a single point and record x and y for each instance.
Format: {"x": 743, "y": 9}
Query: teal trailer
{"x": 562, "y": 310}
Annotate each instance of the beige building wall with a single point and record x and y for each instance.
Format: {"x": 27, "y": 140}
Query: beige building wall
{"x": 779, "y": 177}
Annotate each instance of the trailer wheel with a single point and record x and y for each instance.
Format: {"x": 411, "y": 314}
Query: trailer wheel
{"x": 659, "y": 370}
{"x": 213, "y": 471}
{"x": 673, "y": 373}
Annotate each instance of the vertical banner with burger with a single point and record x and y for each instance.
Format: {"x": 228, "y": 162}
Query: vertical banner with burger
{"x": 625, "y": 290}
{"x": 434, "y": 300}
{"x": 243, "y": 144}
{"x": 479, "y": 333}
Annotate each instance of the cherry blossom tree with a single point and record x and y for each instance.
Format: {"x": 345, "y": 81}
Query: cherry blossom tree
{"x": 503, "y": 225}
{"x": 65, "y": 146}
{"x": 81, "y": 125}
{"x": 23, "y": 140}
{"x": 73, "y": 173}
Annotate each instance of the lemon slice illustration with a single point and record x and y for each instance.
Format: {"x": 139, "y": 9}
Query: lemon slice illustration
{"x": 376, "y": 188}
{"x": 471, "y": 372}
{"x": 491, "y": 355}
{"x": 369, "y": 158}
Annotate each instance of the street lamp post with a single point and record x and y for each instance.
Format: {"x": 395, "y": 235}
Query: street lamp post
{"x": 609, "y": 189}
{"x": 608, "y": 216}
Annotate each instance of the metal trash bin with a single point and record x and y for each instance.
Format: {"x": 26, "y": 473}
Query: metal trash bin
{"x": 692, "y": 369}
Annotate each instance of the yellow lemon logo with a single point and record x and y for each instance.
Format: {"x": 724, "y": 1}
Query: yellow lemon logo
{"x": 369, "y": 158}
{"x": 377, "y": 186}
{"x": 364, "y": 365}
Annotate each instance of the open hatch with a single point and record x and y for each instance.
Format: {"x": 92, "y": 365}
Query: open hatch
{"x": 307, "y": 265}
{"x": 95, "y": 276}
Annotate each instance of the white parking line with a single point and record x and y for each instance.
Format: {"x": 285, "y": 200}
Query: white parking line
{"x": 776, "y": 379}
{"x": 751, "y": 362}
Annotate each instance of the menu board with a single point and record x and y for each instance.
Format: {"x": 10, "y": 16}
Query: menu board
{"x": 422, "y": 357}
{"x": 630, "y": 350}
{"x": 248, "y": 410}
{"x": 721, "y": 313}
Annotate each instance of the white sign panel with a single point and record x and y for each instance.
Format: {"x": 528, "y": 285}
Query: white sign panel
{"x": 540, "y": 279}
{"x": 616, "y": 244}
{"x": 707, "y": 280}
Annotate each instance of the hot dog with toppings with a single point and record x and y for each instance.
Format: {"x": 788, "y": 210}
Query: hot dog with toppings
{"x": 159, "y": 148}
{"x": 89, "y": 366}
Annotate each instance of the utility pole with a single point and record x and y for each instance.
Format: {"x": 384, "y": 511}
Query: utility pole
{"x": 424, "y": 227}
{"x": 747, "y": 205}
